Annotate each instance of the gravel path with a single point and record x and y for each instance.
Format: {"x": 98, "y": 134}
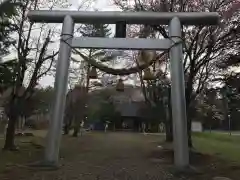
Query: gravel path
{"x": 104, "y": 156}
{"x": 115, "y": 156}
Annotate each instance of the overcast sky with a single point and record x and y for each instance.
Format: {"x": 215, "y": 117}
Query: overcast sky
{"x": 102, "y": 5}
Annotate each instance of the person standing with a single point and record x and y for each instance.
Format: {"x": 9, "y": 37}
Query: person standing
{"x": 161, "y": 127}
{"x": 81, "y": 128}
{"x": 106, "y": 126}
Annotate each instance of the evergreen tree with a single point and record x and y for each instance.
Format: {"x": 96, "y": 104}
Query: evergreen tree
{"x": 92, "y": 30}
{"x": 7, "y": 11}
{"x": 7, "y": 77}
{"x": 95, "y": 30}
{"x": 88, "y": 30}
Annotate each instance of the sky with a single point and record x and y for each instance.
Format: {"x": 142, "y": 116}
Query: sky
{"x": 102, "y": 5}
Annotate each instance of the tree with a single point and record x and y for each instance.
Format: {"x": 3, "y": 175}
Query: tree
{"x": 230, "y": 99}
{"x": 159, "y": 93}
{"x": 75, "y": 109}
{"x": 34, "y": 60}
{"x": 79, "y": 66}
{"x": 230, "y": 90}
{"x": 7, "y": 75}
{"x": 101, "y": 107}
{"x": 208, "y": 108}
{"x": 88, "y": 30}
{"x": 7, "y": 11}
{"x": 40, "y": 102}
{"x": 204, "y": 46}
{"x": 107, "y": 111}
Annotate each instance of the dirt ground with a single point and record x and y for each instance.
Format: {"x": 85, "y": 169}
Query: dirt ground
{"x": 120, "y": 156}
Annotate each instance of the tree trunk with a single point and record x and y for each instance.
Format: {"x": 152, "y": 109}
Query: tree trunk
{"x": 79, "y": 110}
{"x": 80, "y": 116}
{"x": 169, "y": 124}
{"x": 169, "y": 133}
{"x": 189, "y": 128}
{"x": 66, "y": 129}
{"x": 10, "y": 134}
{"x": 67, "y": 123}
{"x": 75, "y": 132}
{"x": 189, "y": 110}
{"x": 23, "y": 122}
{"x": 169, "y": 120}
{"x": 13, "y": 115}
{"x": 114, "y": 126}
{"x": 76, "y": 128}
{"x": 190, "y": 113}
{"x": 77, "y": 121}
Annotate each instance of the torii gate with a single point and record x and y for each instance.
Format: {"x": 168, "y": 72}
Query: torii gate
{"x": 174, "y": 20}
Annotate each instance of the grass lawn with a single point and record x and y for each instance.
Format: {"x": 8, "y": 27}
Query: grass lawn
{"x": 30, "y": 148}
{"x": 222, "y": 145}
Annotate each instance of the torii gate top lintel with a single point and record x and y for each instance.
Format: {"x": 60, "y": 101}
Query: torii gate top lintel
{"x": 112, "y": 17}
